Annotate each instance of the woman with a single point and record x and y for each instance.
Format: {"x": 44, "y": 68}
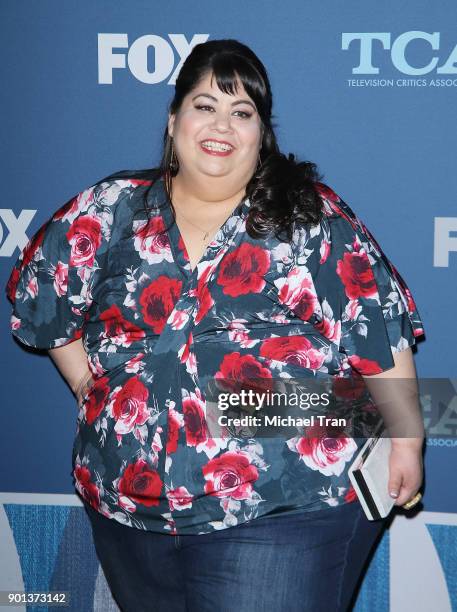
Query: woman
{"x": 229, "y": 262}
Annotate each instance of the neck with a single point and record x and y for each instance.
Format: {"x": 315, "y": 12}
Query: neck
{"x": 206, "y": 195}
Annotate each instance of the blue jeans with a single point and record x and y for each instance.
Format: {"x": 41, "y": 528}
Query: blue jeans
{"x": 307, "y": 561}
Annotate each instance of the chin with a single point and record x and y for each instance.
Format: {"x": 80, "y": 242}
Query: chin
{"x": 215, "y": 172}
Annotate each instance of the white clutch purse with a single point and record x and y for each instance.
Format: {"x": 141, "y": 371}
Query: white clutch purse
{"x": 369, "y": 475}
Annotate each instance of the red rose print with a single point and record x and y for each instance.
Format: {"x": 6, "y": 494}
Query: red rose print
{"x": 149, "y": 229}
{"x": 96, "y": 399}
{"x": 298, "y": 293}
{"x": 242, "y": 367}
{"x": 141, "y": 484}
{"x": 76, "y": 205}
{"x": 230, "y": 475}
{"x": 238, "y": 372}
{"x": 305, "y": 306}
{"x": 84, "y": 237}
{"x": 151, "y": 241}
{"x": 296, "y": 350}
{"x": 174, "y": 423}
{"x": 130, "y": 406}
{"x": 61, "y": 279}
{"x": 179, "y": 498}
{"x": 259, "y": 312}
{"x": 86, "y": 487}
{"x": 351, "y": 388}
{"x": 194, "y": 420}
{"x": 357, "y": 275}
{"x": 330, "y": 328}
{"x": 118, "y": 329}
{"x": 243, "y": 270}
{"x": 158, "y": 300}
{"x": 364, "y": 366}
{"x": 325, "y": 449}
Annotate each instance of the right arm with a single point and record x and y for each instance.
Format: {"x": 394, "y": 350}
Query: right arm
{"x": 71, "y": 361}
{"x": 50, "y": 285}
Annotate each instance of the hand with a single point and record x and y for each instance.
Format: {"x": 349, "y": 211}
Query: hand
{"x": 405, "y": 468}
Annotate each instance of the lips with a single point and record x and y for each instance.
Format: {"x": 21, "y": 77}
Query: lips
{"x": 216, "y": 147}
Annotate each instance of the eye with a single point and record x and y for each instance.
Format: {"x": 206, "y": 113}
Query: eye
{"x": 244, "y": 114}
{"x": 203, "y": 107}
{"x": 239, "y": 113}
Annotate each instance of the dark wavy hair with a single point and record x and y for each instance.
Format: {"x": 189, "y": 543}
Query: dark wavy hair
{"x": 282, "y": 190}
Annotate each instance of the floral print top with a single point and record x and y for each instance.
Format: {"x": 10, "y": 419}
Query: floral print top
{"x": 156, "y": 332}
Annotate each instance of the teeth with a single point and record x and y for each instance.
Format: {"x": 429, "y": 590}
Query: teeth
{"x": 216, "y": 146}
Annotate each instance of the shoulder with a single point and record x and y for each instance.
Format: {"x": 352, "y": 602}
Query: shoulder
{"x": 334, "y": 207}
{"x": 339, "y": 230}
{"x": 103, "y": 197}
{"x": 124, "y": 184}
{"x": 339, "y": 219}
{"x": 86, "y": 217}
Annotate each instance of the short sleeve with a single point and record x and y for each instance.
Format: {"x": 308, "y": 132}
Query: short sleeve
{"x": 360, "y": 290}
{"x": 50, "y": 285}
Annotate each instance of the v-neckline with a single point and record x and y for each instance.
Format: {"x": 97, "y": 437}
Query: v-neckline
{"x": 182, "y": 244}
{"x": 177, "y": 244}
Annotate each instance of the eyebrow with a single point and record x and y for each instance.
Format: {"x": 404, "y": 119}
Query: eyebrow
{"x": 233, "y": 103}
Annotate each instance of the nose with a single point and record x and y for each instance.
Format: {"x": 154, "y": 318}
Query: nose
{"x": 222, "y": 122}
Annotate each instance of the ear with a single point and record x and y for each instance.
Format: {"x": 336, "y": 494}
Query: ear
{"x": 171, "y": 123}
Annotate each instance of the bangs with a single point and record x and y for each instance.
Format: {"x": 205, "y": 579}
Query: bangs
{"x": 231, "y": 69}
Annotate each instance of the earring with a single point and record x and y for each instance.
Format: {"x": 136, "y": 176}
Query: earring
{"x": 174, "y": 164}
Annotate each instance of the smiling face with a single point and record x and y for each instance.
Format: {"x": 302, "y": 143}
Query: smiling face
{"x": 217, "y": 134}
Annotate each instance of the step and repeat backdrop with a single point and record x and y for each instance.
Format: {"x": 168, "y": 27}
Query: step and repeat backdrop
{"x": 368, "y": 91}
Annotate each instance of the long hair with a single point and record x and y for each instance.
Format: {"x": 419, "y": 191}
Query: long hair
{"x": 281, "y": 191}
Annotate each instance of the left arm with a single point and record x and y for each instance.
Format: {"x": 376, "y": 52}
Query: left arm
{"x": 395, "y": 392}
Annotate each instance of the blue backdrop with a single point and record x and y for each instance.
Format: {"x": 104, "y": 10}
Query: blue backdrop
{"x": 366, "y": 90}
